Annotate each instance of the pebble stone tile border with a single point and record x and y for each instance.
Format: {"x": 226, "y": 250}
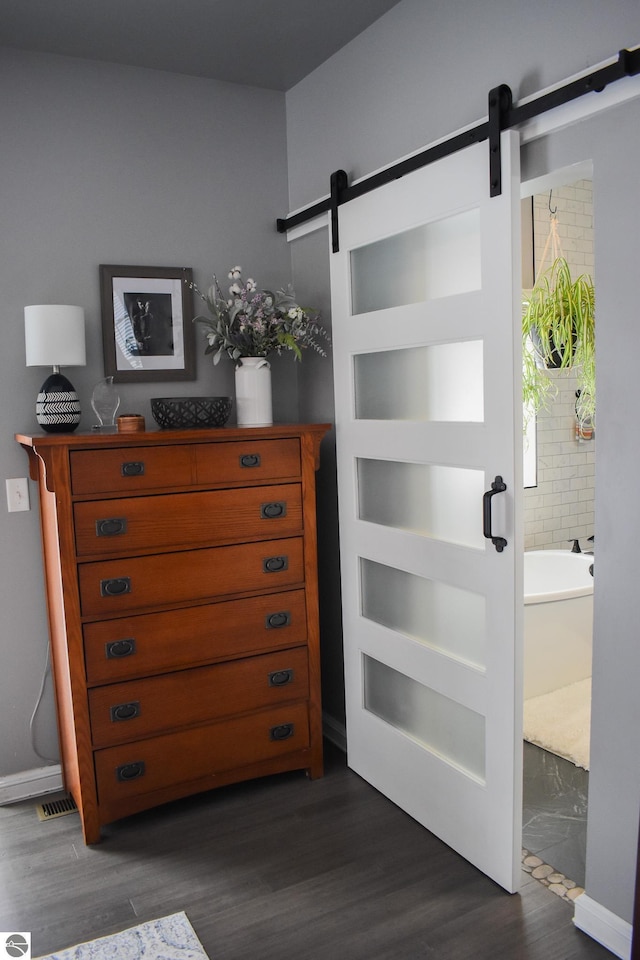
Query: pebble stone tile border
{"x": 548, "y": 876}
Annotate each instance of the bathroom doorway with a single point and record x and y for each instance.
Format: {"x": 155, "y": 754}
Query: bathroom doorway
{"x": 558, "y": 511}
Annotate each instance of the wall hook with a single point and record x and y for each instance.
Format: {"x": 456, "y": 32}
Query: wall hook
{"x": 555, "y": 209}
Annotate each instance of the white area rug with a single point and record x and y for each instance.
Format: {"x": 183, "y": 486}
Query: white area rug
{"x": 169, "y": 938}
{"x": 561, "y": 722}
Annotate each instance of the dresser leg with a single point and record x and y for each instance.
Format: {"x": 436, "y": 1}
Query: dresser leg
{"x": 91, "y": 831}
{"x": 316, "y": 770}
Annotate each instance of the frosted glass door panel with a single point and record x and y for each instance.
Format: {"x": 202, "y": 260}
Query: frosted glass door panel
{"x": 443, "y": 617}
{"x": 440, "y": 382}
{"x": 444, "y": 727}
{"x": 443, "y": 503}
{"x": 437, "y": 259}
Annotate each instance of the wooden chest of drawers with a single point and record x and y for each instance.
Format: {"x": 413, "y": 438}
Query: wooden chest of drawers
{"x": 182, "y": 594}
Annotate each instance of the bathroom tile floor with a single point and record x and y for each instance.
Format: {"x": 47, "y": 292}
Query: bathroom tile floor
{"x": 554, "y": 819}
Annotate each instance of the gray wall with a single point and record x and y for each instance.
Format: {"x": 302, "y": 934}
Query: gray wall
{"x": 425, "y": 69}
{"x": 110, "y": 164}
{"x": 310, "y": 263}
{"x": 418, "y": 74}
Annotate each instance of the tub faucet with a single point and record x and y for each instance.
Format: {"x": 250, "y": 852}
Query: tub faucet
{"x": 591, "y": 552}
{"x": 576, "y": 546}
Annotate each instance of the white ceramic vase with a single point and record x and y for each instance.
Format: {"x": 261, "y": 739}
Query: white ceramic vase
{"x": 253, "y": 392}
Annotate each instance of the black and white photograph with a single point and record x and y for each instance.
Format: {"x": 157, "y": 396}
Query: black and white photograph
{"x": 147, "y": 323}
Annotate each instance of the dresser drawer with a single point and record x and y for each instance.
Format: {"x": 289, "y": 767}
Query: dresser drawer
{"x": 131, "y": 469}
{"x": 139, "y": 583}
{"x": 187, "y": 519}
{"x": 141, "y": 767}
{"x": 122, "y": 712}
{"x": 247, "y": 461}
{"x": 151, "y": 643}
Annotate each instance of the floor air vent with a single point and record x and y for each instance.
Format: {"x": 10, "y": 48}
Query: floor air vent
{"x": 56, "y": 808}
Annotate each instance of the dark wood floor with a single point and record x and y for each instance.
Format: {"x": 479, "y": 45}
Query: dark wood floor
{"x": 278, "y": 869}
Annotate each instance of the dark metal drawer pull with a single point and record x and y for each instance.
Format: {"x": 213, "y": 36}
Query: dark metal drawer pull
{"x": 268, "y": 511}
{"x": 111, "y": 527}
{"x": 130, "y": 771}
{"x": 275, "y": 620}
{"x": 250, "y": 460}
{"x": 116, "y": 649}
{"x": 115, "y": 587}
{"x": 125, "y": 711}
{"x": 282, "y": 732}
{"x": 280, "y": 678}
{"x": 134, "y": 468}
{"x": 275, "y": 564}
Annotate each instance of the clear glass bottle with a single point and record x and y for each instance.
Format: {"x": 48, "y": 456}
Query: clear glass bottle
{"x": 105, "y": 402}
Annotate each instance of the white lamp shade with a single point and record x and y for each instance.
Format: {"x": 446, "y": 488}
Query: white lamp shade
{"x": 54, "y": 335}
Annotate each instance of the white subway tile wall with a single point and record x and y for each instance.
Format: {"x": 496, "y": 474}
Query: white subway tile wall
{"x": 560, "y": 508}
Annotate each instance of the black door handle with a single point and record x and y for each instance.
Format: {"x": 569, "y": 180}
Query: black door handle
{"x": 498, "y": 486}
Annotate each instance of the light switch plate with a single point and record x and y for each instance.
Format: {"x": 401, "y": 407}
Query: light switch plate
{"x": 17, "y": 494}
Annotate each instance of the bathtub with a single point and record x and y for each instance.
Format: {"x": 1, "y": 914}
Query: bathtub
{"x": 558, "y": 619}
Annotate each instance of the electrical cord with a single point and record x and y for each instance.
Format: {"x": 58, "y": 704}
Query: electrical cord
{"x": 37, "y": 707}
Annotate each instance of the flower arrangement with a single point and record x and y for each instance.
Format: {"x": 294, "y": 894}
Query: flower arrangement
{"x": 256, "y": 323}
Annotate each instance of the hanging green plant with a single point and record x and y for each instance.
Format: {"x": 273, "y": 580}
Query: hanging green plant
{"x": 559, "y": 321}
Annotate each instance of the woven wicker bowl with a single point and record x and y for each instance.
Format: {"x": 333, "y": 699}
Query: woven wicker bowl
{"x": 180, "y": 413}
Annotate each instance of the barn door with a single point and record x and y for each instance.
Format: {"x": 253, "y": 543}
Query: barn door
{"x": 426, "y": 306}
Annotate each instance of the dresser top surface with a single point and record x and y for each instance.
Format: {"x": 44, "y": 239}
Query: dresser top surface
{"x": 101, "y": 439}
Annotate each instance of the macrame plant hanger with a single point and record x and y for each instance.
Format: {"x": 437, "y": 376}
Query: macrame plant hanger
{"x": 552, "y": 242}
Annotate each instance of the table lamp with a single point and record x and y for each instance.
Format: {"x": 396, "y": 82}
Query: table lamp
{"x": 54, "y": 337}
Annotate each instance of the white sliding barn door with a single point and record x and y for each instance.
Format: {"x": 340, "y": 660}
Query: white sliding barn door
{"x": 426, "y": 306}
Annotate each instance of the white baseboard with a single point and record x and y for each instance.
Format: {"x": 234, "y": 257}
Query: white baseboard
{"x": 334, "y": 731}
{"x": 604, "y": 926}
{"x": 30, "y": 783}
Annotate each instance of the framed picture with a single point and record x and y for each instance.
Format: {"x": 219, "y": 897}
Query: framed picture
{"x": 147, "y": 326}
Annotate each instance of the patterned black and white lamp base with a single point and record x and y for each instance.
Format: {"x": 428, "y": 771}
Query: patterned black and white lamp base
{"x": 57, "y": 406}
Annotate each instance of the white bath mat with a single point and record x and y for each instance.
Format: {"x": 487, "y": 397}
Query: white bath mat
{"x": 560, "y": 722}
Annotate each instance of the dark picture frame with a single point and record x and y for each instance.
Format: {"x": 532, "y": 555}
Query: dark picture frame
{"x": 147, "y": 323}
